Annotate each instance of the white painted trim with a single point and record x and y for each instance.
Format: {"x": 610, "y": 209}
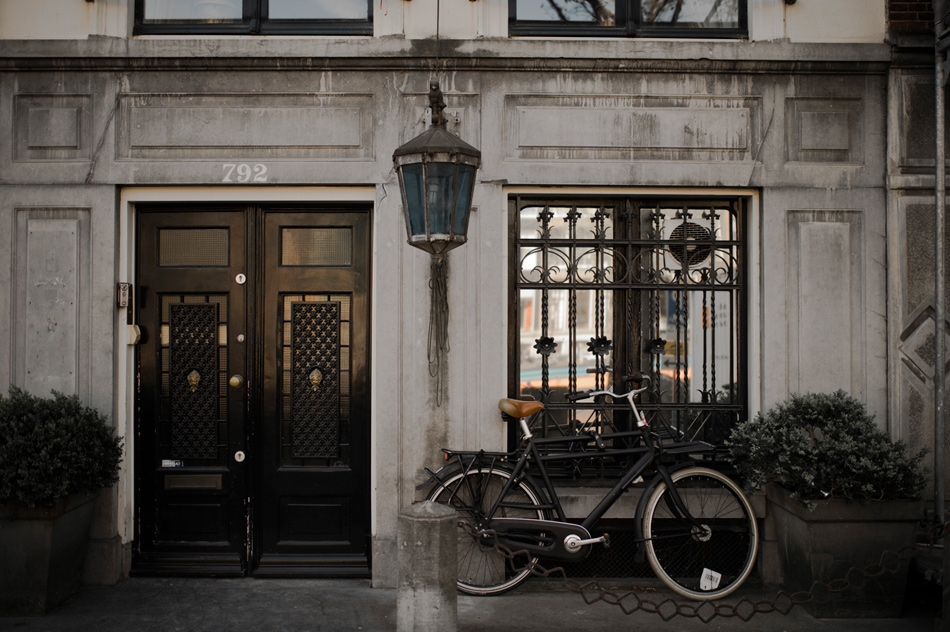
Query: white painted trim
{"x": 247, "y": 194}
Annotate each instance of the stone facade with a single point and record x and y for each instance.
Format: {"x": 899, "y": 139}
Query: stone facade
{"x": 822, "y": 119}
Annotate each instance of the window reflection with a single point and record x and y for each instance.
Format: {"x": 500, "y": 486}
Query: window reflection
{"x": 204, "y": 10}
{"x": 318, "y": 10}
{"x": 601, "y": 12}
{"x": 233, "y": 10}
{"x": 690, "y": 13}
{"x": 718, "y": 14}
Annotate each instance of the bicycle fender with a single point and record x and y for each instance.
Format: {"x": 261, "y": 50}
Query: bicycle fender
{"x": 640, "y": 555}
{"x": 447, "y": 471}
{"x": 439, "y": 475}
{"x": 463, "y": 461}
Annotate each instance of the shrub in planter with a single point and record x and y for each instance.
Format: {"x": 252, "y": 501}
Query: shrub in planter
{"x": 839, "y": 497}
{"x": 55, "y": 456}
{"x": 821, "y": 446}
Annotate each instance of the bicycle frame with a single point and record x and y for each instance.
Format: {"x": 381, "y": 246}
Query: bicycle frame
{"x": 559, "y": 539}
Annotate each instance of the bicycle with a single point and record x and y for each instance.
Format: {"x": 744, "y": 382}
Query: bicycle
{"x": 694, "y": 524}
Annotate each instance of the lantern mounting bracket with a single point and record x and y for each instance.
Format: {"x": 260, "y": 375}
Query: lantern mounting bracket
{"x": 437, "y": 103}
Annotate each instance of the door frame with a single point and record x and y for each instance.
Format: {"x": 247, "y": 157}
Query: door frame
{"x": 125, "y": 328}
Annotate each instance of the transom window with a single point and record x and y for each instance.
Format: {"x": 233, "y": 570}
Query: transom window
{"x": 604, "y": 287}
{"x": 646, "y": 18}
{"x": 254, "y": 16}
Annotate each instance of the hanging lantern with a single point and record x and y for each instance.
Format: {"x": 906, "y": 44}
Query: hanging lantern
{"x": 436, "y": 178}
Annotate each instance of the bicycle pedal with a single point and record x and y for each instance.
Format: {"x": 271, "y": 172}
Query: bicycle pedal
{"x": 606, "y": 541}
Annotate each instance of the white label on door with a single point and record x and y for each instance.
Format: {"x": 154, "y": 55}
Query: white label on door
{"x": 710, "y": 580}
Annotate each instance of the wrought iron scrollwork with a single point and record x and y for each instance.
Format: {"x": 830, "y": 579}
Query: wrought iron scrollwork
{"x": 611, "y": 286}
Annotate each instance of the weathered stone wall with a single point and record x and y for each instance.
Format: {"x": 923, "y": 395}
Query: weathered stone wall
{"x": 911, "y": 241}
{"x": 800, "y": 129}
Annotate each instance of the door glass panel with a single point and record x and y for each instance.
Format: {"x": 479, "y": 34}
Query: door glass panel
{"x": 193, "y": 247}
{"x": 192, "y": 361}
{"x": 199, "y": 10}
{"x": 318, "y": 10}
{"x": 316, "y": 247}
{"x": 315, "y": 380}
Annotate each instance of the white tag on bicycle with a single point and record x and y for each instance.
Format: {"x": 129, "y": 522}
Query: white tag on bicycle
{"x": 710, "y": 580}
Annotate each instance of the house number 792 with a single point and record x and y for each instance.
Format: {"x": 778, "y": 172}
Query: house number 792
{"x": 244, "y": 173}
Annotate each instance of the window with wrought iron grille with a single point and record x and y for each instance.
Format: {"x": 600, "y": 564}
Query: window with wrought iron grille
{"x": 604, "y": 287}
{"x": 620, "y": 18}
{"x": 268, "y": 17}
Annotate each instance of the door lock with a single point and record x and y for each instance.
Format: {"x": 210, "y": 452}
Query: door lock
{"x": 239, "y": 456}
{"x": 236, "y": 381}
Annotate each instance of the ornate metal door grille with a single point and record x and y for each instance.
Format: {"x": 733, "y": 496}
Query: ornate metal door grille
{"x": 193, "y": 360}
{"x": 315, "y": 370}
{"x": 604, "y": 287}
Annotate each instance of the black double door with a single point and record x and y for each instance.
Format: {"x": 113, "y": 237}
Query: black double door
{"x": 252, "y": 419}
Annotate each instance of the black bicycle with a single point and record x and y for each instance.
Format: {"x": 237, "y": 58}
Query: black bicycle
{"x": 694, "y": 524}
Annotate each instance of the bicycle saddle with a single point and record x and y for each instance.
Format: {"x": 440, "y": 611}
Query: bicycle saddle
{"x": 517, "y": 408}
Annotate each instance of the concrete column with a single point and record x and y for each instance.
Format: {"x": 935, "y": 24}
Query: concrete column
{"x": 426, "y": 558}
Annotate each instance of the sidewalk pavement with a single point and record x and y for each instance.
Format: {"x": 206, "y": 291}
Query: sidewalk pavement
{"x": 333, "y": 605}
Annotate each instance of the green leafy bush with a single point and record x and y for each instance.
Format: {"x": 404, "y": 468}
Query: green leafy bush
{"x": 53, "y": 447}
{"x": 820, "y": 445}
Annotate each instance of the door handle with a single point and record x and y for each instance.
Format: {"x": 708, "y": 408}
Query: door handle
{"x": 236, "y": 381}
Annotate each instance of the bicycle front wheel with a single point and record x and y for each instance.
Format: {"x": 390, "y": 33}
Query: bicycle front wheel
{"x": 482, "y": 570}
{"x": 709, "y": 557}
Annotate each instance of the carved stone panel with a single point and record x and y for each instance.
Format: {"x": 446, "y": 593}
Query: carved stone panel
{"x": 51, "y": 322}
{"x": 917, "y": 271}
{"x": 826, "y": 298}
{"x": 52, "y": 127}
{"x": 916, "y": 120}
{"x": 241, "y": 125}
{"x": 824, "y": 130}
{"x": 619, "y": 128}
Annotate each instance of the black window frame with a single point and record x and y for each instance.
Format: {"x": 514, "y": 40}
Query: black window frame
{"x": 626, "y": 15}
{"x": 253, "y": 22}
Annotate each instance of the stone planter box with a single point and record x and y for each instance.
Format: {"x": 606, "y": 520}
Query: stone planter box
{"x": 41, "y": 553}
{"x": 824, "y": 544}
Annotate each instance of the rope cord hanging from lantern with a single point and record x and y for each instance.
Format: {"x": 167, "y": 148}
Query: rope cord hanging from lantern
{"x": 438, "y": 343}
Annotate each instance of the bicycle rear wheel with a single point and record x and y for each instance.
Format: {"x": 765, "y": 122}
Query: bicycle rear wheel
{"x": 482, "y": 570}
{"x": 709, "y": 561}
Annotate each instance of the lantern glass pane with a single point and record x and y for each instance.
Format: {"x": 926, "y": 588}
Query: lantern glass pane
{"x": 463, "y": 202}
{"x": 441, "y": 189}
{"x": 412, "y": 180}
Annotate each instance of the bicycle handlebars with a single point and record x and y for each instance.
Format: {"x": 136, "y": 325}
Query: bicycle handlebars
{"x": 636, "y": 378}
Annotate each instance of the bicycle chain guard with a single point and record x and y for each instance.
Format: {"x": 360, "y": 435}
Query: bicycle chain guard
{"x": 542, "y": 538}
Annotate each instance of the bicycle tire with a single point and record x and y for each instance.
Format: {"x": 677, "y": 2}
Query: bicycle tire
{"x": 701, "y": 565}
{"x": 481, "y": 569}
